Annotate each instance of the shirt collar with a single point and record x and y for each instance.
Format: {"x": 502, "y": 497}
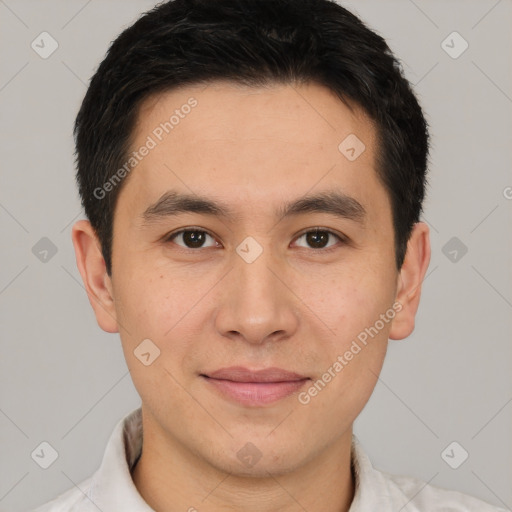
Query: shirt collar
{"x": 112, "y": 487}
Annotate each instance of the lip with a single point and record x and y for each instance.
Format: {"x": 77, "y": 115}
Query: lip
{"x": 255, "y": 387}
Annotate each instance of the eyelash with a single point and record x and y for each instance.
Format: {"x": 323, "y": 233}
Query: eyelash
{"x": 340, "y": 237}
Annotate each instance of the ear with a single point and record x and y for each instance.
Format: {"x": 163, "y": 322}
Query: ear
{"x": 91, "y": 266}
{"x": 410, "y": 280}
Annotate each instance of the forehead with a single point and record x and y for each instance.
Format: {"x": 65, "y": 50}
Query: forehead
{"x": 248, "y": 144}
{"x": 307, "y": 114}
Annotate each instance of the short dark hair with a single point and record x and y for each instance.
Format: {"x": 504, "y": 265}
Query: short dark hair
{"x": 255, "y": 43}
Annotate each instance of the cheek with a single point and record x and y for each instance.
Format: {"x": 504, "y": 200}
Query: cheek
{"x": 151, "y": 302}
{"x": 353, "y": 351}
{"x": 167, "y": 308}
{"x": 154, "y": 307}
{"x": 349, "y": 301}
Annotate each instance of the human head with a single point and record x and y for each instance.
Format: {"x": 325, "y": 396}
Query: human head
{"x": 254, "y": 146}
{"x": 252, "y": 42}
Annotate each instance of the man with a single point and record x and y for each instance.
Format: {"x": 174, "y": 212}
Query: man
{"x": 253, "y": 173}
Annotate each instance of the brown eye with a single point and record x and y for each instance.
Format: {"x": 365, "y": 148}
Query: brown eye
{"x": 191, "y": 238}
{"x": 318, "y": 238}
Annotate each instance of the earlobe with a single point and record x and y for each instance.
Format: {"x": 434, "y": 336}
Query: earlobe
{"x": 410, "y": 279}
{"x": 91, "y": 265}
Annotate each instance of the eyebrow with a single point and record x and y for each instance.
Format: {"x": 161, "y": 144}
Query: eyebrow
{"x": 173, "y": 203}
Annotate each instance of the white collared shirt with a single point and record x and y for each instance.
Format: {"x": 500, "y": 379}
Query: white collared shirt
{"x": 111, "y": 488}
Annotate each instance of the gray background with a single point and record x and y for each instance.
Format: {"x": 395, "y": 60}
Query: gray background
{"x": 64, "y": 381}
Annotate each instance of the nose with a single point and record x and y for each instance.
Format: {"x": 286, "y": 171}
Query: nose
{"x": 258, "y": 304}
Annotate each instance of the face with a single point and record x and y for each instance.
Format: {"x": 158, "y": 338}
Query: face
{"x": 255, "y": 281}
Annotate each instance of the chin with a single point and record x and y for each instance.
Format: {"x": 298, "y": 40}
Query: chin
{"x": 260, "y": 459}
{"x": 261, "y": 470}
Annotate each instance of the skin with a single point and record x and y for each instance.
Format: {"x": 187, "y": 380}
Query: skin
{"x": 295, "y": 307}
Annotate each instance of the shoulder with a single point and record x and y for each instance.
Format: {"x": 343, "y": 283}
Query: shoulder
{"x": 380, "y": 490}
{"x": 422, "y": 496}
{"x": 75, "y": 499}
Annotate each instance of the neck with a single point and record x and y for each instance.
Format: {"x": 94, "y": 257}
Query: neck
{"x": 171, "y": 479}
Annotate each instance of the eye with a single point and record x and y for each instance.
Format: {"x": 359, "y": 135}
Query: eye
{"x": 195, "y": 238}
{"x": 318, "y": 238}
{"x": 191, "y": 238}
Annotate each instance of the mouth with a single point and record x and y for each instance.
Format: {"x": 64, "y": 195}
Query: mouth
{"x": 254, "y": 387}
